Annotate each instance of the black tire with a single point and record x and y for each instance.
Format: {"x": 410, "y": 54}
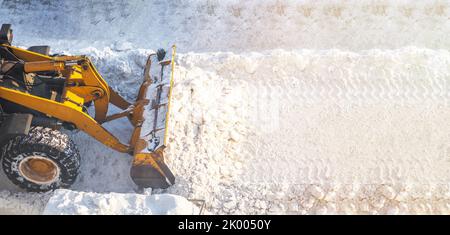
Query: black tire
{"x": 44, "y": 144}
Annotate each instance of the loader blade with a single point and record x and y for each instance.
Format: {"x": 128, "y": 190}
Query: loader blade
{"x": 150, "y": 117}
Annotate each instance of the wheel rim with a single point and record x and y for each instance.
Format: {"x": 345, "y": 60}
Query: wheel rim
{"x": 39, "y": 170}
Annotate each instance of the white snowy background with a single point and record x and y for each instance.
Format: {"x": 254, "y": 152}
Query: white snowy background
{"x": 291, "y": 107}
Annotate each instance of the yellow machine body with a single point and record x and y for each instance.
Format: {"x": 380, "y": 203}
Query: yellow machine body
{"x": 84, "y": 84}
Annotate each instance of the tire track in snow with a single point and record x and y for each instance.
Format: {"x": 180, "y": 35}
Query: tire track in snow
{"x": 321, "y": 136}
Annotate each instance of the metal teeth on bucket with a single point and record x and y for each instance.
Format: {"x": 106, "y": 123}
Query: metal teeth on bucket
{"x": 153, "y": 129}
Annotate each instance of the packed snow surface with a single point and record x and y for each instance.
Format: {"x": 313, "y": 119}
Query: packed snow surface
{"x": 292, "y": 107}
{"x": 231, "y": 25}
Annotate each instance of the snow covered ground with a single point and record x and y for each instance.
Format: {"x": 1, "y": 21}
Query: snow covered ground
{"x": 68, "y": 202}
{"x": 290, "y": 107}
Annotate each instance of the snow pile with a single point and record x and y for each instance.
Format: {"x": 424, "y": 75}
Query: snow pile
{"x": 67, "y": 202}
{"x": 313, "y": 131}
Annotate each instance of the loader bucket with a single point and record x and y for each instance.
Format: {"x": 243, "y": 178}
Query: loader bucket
{"x": 150, "y": 118}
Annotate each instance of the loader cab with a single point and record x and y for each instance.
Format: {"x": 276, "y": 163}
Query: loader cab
{"x": 12, "y": 76}
{"x": 6, "y": 38}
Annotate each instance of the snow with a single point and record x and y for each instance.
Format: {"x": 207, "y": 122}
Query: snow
{"x": 317, "y": 126}
{"x": 291, "y": 107}
{"x": 230, "y": 25}
{"x": 67, "y": 202}
{"x": 21, "y": 202}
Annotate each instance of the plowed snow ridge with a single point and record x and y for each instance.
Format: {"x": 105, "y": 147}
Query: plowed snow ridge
{"x": 354, "y": 123}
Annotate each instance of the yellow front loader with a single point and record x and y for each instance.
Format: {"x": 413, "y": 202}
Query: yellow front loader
{"x": 41, "y": 93}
